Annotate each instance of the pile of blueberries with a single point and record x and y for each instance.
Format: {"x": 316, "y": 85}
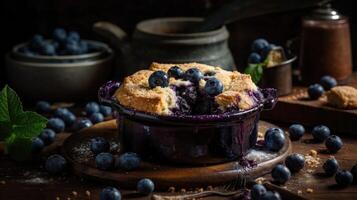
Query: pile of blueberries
{"x": 128, "y": 161}
{"x": 260, "y": 49}
{"x": 63, "y": 118}
{"x": 61, "y": 43}
{"x": 316, "y": 90}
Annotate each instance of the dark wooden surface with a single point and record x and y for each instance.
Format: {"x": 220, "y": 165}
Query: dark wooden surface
{"x": 297, "y": 107}
{"x": 20, "y": 180}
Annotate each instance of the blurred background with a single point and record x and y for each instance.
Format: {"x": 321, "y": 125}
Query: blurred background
{"x": 21, "y": 19}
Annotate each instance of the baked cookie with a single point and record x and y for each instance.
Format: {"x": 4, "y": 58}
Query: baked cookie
{"x": 344, "y": 97}
{"x": 182, "y": 95}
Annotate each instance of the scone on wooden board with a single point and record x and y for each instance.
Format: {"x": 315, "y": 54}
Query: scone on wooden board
{"x": 344, "y": 97}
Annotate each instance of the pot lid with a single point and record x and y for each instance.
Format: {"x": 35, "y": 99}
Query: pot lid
{"x": 325, "y": 12}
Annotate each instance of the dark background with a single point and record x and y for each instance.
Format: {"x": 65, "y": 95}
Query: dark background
{"x": 23, "y": 18}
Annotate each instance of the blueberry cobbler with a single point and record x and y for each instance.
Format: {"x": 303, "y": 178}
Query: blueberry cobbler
{"x": 188, "y": 89}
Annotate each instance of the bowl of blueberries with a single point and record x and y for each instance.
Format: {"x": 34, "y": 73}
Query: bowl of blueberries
{"x": 63, "y": 67}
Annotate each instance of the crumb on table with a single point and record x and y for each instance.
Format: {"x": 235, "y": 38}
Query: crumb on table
{"x": 309, "y": 190}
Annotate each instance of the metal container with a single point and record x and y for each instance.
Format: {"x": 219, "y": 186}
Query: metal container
{"x": 168, "y": 40}
{"x": 59, "y": 78}
{"x": 187, "y": 139}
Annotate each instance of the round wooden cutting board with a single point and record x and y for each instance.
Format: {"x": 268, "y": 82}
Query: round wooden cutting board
{"x": 76, "y": 150}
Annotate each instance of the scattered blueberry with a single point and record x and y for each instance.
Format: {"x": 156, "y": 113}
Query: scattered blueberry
{"x": 47, "y": 136}
{"x": 96, "y": 118}
{"x": 73, "y": 35}
{"x": 213, "y": 87}
{"x": 194, "y": 75}
{"x": 257, "y": 191}
{"x": 91, "y": 107}
{"x": 330, "y": 166}
{"x": 175, "y": 72}
{"x": 354, "y": 173}
{"x": 73, "y": 48}
{"x": 55, "y": 164}
{"x": 315, "y": 91}
{"x": 69, "y": 119}
{"x": 295, "y": 162}
{"x": 47, "y": 49}
{"x": 37, "y": 145}
{"x": 36, "y": 42}
{"x": 104, "y": 161}
{"x": 274, "y": 139}
{"x": 158, "y": 79}
{"x": 105, "y": 110}
{"x": 110, "y": 193}
{"x": 59, "y": 34}
{"x": 56, "y": 124}
{"x": 328, "y": 82}
{"x": 296, "y": 131}
{"x": 99, "y": 145}
{"x": 320, "y": 133}
{"x": 333, "y": 143}
{"x": 60, "y": 112}
{"x": 128, "y": 161}
{"x": 259, "y": 44}
{"x": 145, "y": 186}
{"x": 281, "y": 174}
{"x": 266, "y": 50}
{"x": 344, "y": 178}
{"x": 43, "y": 107}
{"x": 254, "y": 58}
{"x": 83, "y": 123}
{"x": 269, "y": 195}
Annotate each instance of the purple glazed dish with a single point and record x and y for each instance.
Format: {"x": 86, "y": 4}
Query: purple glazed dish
{"x": 187, "y": 139}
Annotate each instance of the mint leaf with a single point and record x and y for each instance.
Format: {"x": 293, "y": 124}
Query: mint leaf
{"x": 17, "y": 127}
{"x": 10, "y": 104}
{"x": 255, "y": 71}
{"x": 19, "y": 148}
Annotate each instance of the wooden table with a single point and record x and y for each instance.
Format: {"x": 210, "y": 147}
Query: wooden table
{"x": 20, "y": 181}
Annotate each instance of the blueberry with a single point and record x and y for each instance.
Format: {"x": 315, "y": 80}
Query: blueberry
{"x": 91, "y": 107}
{"x": 328, "y": 82}
{"x": 194, "y": 75}
{"x": 320, "y": 133}
{"x": 84, "y": 47}
{"x": 104, "y": 161}
{"x": 43, "y": 107}
{"x": 27, "y": 51}
{"x": 274, "y": 139}
{"x": 213, "y": 87}
{"x": 37, "y": 145}
{"x": 315, "y": 91}
{"x": 354, "y": 173}
{"x": 295, "y": 162}
{"x": 330, "y": 166}
{"x": 47, "y": 136}
{"x": 158, "y": 79}
{"x": 271, "y": 196}
{"x": 60, "y": 112}
{"x": 83, "y": 123}
{"x": 56, "y": 124}
{"x": 36, "y": 42}
{"x": 59, "y": 34}
{"x": 296, "y": 131}
{"x": 145, "y": 186}
{"x": 259, "y": 44}
{"x": 47, "y": 49}
{"x": 110, "y": 193}
{"x": 266, "y": 50}
{"x": 343, "y": 178}
{"x": 73, "y": 35}
{"x": 55, "y": 164}
{"x": 128, "y": 161}
{"x": 105, "y": 110}
{"x": 175, "y": 72}
{"x": 69, "y": 119}
{"x": 333, "y": 143}
{"x": 254, "y": 58}
{"x": 281, "y": 174}
{"x": 73, "y": 49}
{"x": 96, "y": 118}
{"x": 99, "y": 145}
{"x": 257, "y": 191}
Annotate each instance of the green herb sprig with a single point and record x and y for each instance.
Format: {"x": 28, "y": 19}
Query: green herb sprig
{"x": 18, "y": 127}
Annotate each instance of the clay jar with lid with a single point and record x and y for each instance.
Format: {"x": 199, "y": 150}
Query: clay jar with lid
{"x": 325, "y": 46}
